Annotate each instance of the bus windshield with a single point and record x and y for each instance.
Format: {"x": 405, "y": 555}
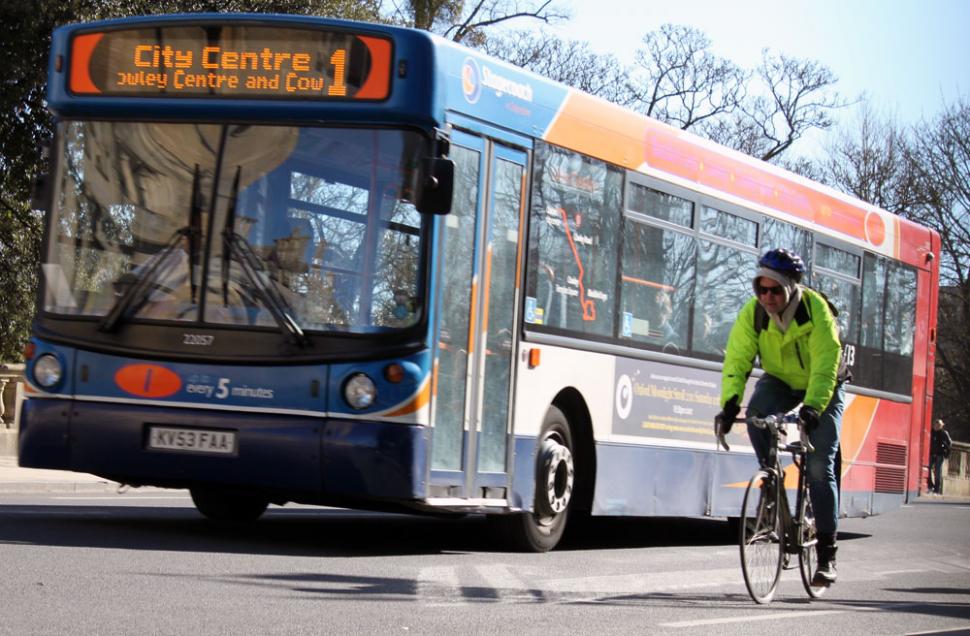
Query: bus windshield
{"x": 236, "y": 225}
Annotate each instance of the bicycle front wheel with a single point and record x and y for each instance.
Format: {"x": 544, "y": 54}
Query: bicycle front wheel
{"x": 808, "y": 554}
{"x": 760, "y": 537}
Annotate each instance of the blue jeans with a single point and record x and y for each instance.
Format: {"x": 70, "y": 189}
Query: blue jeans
{"x": 936, "y": 474}
{"x": 771, "y": 395}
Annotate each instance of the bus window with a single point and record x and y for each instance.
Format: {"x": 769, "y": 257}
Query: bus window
{"x": 836, "y": 274}
{"x": 573, "y": 243}
{"x": 847, "y": 298}
{"x": 885, "y": 358}
{"x": 656, "y": 286}
{"x": 900, "y": 327}
{"x": 660, "y": 205}
{"x": 873, "y": 297}
{"x": 837, "y": 260}
{"x": 729, "y": 226}
{"x": 723, "y": 287}
{"x": 456, "y": 263}
{"x": 900, "y": 309}
{"x": 776, "y": 233}
{"x": 338, "y": 240}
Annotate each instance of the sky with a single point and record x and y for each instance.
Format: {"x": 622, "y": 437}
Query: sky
{"x": 907, "y": 56}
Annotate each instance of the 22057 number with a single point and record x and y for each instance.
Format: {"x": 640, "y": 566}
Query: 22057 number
{"x": 198, "y": 339}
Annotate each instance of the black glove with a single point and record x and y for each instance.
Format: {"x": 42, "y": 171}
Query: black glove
{"x": 809, "y": 418}
{"x": 724, "y": 420}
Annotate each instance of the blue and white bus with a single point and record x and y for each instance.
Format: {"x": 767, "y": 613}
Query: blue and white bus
{"x": 294, "y": 259}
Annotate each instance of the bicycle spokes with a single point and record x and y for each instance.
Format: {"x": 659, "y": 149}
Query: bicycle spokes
{"x": 761, "y": 547}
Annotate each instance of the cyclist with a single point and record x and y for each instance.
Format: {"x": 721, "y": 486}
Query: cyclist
{"x": 795, "y": 335}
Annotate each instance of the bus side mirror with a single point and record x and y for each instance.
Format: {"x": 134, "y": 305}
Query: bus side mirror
{"x": 437, "y": 184}
{"x": 39, "y": 195}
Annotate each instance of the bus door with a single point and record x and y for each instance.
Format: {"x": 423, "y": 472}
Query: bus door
{"x": 479, "y": 263}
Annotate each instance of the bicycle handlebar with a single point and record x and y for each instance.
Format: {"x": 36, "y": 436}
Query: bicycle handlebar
{"x": 773, "y": 423}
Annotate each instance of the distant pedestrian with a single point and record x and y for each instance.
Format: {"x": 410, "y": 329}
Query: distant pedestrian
{"x": 940, "y": 443}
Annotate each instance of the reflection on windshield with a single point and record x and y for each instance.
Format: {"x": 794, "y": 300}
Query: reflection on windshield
{"x": 323, "y": 214}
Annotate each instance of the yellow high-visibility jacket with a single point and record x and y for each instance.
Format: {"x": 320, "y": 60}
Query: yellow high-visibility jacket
{"x": 806, "y": 357}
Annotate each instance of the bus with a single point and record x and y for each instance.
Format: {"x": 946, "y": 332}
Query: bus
{"x": 295, "y": 259}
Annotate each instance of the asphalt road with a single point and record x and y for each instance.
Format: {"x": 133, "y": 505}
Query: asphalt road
{"x": 147, "y": 563}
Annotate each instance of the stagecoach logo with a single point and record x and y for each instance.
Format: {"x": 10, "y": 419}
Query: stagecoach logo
{"x": 471, "y": 80}
{"x": 475, "y": 78}
{"x": 624, "y": 396}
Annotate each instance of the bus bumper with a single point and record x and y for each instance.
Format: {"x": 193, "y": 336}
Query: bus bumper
{"x": 289, "y": 458}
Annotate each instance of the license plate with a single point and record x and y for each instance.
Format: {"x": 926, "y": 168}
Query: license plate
{"x": 193, "y": 440}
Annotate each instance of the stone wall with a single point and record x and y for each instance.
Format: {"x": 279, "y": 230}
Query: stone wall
{"x": 11, "y": 397}
{"x": 956, "y": 471}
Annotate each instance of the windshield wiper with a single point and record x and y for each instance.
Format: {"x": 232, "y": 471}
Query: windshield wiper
{"x": 252, "y": 266}
{"x": 141, "y": 282}
{"x": 137, "y": 289}
{"x": 195, "y": 233}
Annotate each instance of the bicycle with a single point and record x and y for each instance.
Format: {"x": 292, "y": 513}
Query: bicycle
{"x": 768, "y": 534}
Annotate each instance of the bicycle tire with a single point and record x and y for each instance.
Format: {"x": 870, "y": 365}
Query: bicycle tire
{"x": 808, "y": 555}
{"x": 759, "y": 537}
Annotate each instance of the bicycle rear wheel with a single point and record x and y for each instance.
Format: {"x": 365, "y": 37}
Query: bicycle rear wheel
{"x": 761, "y": 547}
{"x": 808, "y": 555}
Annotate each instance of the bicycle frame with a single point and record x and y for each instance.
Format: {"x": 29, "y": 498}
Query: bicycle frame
{"x": 769, "y": 521}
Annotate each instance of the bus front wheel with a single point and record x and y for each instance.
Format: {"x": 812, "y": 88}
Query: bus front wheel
{"x": 227, "y": 506}
{"x": 541, "y": 529}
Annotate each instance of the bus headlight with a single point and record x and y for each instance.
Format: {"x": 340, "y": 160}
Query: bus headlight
{"x": 48, "y": 371}
{"x": 359, "y": 391}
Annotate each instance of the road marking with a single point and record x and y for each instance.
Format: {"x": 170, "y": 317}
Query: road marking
{"x": 645, "y": 583}
{"x": 506, "y": 585}
{"x": 51, "y": 513}
{"x": 438, "y": 585}
{"x": 752, "y": 618}
{"x": 121, "y": 497}
{"x": 938, "y": 631}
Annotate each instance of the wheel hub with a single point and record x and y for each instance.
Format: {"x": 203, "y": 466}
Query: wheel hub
{"x": 557, "y": 473}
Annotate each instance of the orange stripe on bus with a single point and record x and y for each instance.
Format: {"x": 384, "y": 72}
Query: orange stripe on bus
{"x": 648, "y": 283}
{"x": 856, "y": 422}
{"x": 472, "y": 317}
{"x": 598, "y": 128}
{"x": 416, "y": 403}
{"x": 488, "y": 287}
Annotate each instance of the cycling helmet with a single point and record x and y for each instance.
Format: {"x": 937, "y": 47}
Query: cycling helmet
{"x": 784, "y": 262}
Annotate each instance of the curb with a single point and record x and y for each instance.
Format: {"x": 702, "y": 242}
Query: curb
{"x": 56, "y": 487}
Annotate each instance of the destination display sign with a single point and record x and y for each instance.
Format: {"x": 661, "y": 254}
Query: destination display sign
{"x": 237, "y": 61}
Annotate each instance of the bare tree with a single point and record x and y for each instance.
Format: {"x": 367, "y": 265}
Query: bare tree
{"x": 869, "y": 158}
{"x": 940, "y": 156}
{"x": 794, "y": 97}
{"x": 678, "y": 80}
{"x": 568, "y": 61}
{"x": 466, "y": 21}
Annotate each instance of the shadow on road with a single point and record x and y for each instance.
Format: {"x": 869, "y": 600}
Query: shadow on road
{"x": 322, "y": 532}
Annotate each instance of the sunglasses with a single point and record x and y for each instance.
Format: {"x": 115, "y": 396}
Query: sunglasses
{"x": 777, "y": 290}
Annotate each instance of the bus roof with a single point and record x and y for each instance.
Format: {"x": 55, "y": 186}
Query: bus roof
{"x": 504, "y": 95}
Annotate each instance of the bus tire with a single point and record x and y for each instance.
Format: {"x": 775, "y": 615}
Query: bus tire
{"x": 541, "y": 529}
{"x": 226, "y": 506}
